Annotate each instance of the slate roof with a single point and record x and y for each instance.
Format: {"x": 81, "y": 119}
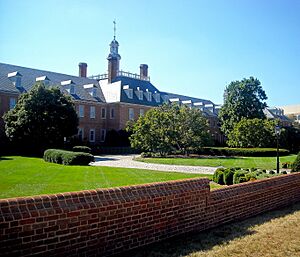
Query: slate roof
{"x": 29, "y": 76}
{"x": 186, "y": 98}
{"x": 143, "y": 85}
{"x": 271, "y": 114}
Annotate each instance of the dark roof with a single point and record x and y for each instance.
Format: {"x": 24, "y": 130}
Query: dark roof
{"x": 187, "y": 98}
{"x": 143, "y": 85}
{"x": 29, "y": 76}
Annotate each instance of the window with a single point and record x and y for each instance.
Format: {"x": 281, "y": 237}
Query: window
{"x": 130, "y": 93}
{"x": 93, "y": 92}
{"x": 112, "y": 113}
{"x": 81, "y": 134}
{"x": 92, "y": 112}
{"x": 103, "y": 113}
{"x": 140, "y": 94}
{"x": 12, "y": 102}
{"x": 92, "y": 135}
{"x": 142, "y": 112}
{"x": 81, "y": 111}
{"x": 149, "y": 96}
{"x": 157, "y": 97}
{"x": 131, "y": 114}
{"x": 72, "y": 90}
{"x": 103, "y": 135}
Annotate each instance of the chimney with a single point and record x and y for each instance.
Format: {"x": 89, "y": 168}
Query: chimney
{"x": 144, "y": 71}
{"x": 82, "y": 69}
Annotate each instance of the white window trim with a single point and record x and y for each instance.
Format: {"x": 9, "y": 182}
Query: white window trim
{"x": 130, "y": 93}
{"x": 92, "y": 113}
{"x": 140, "y": 95}
{"x": 103, "y": 117}
{"x": 90, "y": 139}
{"x": 149, "y": 96}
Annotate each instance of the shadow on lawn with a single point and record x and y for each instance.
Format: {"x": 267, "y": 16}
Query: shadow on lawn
{"x": 203, "y": 241}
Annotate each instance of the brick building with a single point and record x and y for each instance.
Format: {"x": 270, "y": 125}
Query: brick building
{"x": 103, "y": 102}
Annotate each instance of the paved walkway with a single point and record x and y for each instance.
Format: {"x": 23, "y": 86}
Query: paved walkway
{"x": 126, "y": 161}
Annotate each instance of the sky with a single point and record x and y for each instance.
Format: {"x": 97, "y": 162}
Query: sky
{"x": 192, "y": 47}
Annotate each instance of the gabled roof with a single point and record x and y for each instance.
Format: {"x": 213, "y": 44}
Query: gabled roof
{"x": 29, "y": 76}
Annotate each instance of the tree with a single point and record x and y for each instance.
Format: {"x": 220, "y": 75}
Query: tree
{"x": 252, "y": 133}
{"x": 169, "y": 128}
{"x": 41, "y": 119}
{"x": 242, "y": 99}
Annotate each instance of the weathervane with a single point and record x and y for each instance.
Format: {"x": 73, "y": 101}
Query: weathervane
{"x": 114, "y": 22}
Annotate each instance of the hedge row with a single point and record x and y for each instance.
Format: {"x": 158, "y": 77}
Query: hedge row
{"x": 258, "y": 152}
{"x": 67, "y": 157}
{"x": 231, "y": 176}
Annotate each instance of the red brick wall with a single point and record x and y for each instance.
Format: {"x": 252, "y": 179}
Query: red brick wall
{"x": 109, "y": 221}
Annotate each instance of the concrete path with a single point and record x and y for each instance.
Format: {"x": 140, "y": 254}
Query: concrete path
{"x": 127, "y": 161}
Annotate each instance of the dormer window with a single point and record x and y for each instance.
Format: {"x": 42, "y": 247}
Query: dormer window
{"x": 128, "y": 91}
{"x": 44, "y": 79}
{"x": 148, "y": 95}
{"x": 72, "y": 90}
{"x": 70, "y": 86}
{"x": 15, "y": 78}
{"x": 139, "y": 94}
{"x": 91, "y": 89}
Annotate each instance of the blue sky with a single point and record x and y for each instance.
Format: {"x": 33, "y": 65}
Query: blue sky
{"x": 192, "y": 47}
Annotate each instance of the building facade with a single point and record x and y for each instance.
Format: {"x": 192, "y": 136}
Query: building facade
{"x": 103, "y": 102}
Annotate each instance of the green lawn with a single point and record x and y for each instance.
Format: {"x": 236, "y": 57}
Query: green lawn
{"x": 23, "y": 176}
{"x": 267, "y": 163}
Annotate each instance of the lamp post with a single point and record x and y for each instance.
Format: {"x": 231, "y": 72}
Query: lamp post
{"x": 277, "y": 132}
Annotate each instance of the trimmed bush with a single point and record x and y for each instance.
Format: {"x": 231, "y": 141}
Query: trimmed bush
{"x": 228, "y": 176}
{"x": 256, "y": 152}
{"x": 272, "y": 172}
{"x": 239, "y": 177}
{"x": 218, "y": 176}
{"x": 296, "y": 164}
{"x": 82, "y": 149}
{"x": 67, "y": 157}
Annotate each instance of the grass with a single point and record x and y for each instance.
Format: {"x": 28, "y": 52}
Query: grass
{"x": 267, "y": 163}
{"x": 23, "y": 176}
{"x": 273, "y": 234}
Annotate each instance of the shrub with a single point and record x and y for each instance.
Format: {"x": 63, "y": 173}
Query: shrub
{"x": 82, "y": 149}
{"x": 228, "y": 176}
{"x": 218, "y": 176}
{"x": 272, "y": 172}
{"x": 296, "y": 164}
{"x": 283, "y": 172}
{"x": 256, "y": 152}
{"x": 251, "y": 176}
{"x": 67, "y": 157}
{"x": 239, "y": 177}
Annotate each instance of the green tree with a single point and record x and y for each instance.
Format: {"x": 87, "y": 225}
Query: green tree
{"x": 41, "y": 119}
{"x": 252, "y": 133}
{"x": 242, "y": 99}
{"x": 169, "y": 128}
